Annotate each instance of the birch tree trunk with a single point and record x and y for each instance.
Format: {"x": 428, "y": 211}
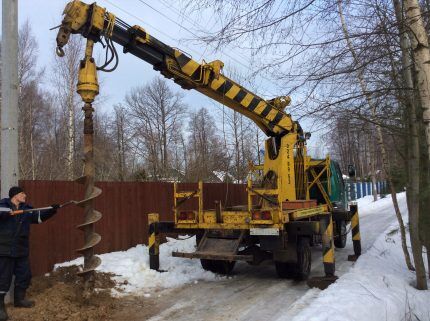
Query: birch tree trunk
{"x": 420, "y": 47}
{"x": 71, "y": 130}
{"x": 33, "y": 162}
{"x": 372, "y": 167}
{"x": 413, "y": 190}
{"x": 380, "y": 140}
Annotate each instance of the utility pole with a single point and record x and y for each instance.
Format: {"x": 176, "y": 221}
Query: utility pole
{"x": 9, "y": 91}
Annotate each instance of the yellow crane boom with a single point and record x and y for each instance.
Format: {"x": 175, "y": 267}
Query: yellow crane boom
{"x": 95, "y": 23}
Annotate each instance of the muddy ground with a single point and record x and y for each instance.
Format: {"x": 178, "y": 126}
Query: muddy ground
{"x": 58, "y": 297}
{"x": 249, "y": 295}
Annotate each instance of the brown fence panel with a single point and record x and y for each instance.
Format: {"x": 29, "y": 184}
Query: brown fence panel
{"x": 124, "y": 206}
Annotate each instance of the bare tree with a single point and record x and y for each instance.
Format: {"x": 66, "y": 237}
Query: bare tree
{"x": 207, "y": 158}
{"x": 238, "y": 144}
{"x": 420, "y": 49}
{"x": 65, "y": 76}
{"x": 158, "y": 113}
{"x": 31, "y": 104}
{"x": 414, "y": 175}
{"x": 372, "y": 107}
{"x": 121, "y": 136}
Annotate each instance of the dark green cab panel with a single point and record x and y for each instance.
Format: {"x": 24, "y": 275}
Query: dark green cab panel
{"x": 337, "y": 193}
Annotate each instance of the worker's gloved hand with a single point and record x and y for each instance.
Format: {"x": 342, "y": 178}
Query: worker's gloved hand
{"x": 55, "y": 206}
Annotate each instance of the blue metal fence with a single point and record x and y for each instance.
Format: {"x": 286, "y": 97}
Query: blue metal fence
{"x": 359, "y": 189}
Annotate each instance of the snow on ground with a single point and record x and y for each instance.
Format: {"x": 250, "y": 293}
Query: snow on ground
{"x": 377, "y": 287}
{"x": 132, "y": 270}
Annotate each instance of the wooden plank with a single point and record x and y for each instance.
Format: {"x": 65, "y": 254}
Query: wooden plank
{"x": 292, "y": 205}
{"x": 213, "y": 256}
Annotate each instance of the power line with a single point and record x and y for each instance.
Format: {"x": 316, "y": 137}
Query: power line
{"x": 197, "y": 25}
{"x": 191, "y": 32}
{"x": 176, "y": 11}
{"x": 151, "y": 26}
{"x": 188, "y": 30}
{"x": 195, "y": 35}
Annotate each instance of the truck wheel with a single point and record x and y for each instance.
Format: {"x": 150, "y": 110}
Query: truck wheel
{"x": 223, "y": 267}
{"x": 218, "y": 266}
{"x": 207, "y": 265}
{"x": 302, "y": 268}
{"x": 340, "y": 236}
{"x": 198, "y": 239}
{"x": 304, "y": 259}
{"x": 285, "y": 270}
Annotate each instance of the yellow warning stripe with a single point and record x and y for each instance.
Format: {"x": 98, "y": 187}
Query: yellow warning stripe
{"x": 232, "y": 92}
{"x": 190, "y": 67}
{"x": 272, "y": 114}
{"x": 151, "y": 240}
{"x": 247, "y": 100}
{"x": 356, "y": 237}
{"x": 329, "y": 256}
{"x": 330, "y": 229}
{"x": 260, "y": 107}
{"x": 216, "y": 83}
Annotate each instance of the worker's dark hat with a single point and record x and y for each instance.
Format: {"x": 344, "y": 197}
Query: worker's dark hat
{"x": 15, "y": 190}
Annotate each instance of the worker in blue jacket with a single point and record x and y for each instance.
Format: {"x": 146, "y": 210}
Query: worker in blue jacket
{"x": 14, "y": 246}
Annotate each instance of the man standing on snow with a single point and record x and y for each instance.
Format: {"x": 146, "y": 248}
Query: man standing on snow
{"x": 14, "y": 246}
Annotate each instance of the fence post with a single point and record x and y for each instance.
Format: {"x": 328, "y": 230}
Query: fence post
{"x": 358, "y": 185}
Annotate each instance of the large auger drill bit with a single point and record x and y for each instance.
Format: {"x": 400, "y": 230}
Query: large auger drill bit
{"x": 88, "y": 89}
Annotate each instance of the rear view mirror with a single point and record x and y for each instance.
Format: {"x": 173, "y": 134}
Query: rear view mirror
{"x": 351, "y": 170}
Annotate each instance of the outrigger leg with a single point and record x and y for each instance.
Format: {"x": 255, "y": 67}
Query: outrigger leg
{"x": 155, "y": 227}
{"x": 355, "y": 229}
{"x": 326, "y": 230}
{"x": 153, "y": 241}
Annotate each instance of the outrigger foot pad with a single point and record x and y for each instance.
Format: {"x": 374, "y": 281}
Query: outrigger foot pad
{"x": 321, "y": 282}
{"x": 352, "y": 257}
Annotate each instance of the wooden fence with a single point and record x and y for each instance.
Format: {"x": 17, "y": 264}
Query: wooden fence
{"x": 124, "y": 206}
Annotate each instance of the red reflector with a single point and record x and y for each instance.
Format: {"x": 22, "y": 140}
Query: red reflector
{"x": 264, "y": 215}
{"x": 190, "y": 216}
{"x": 186, "y": 216}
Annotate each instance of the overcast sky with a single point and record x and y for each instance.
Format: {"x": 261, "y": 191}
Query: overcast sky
{"x": 158, "y": 18}
{"x": 155, "y": 16}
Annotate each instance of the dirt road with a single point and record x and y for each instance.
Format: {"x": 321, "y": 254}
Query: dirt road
{"x": 252, "y": 293}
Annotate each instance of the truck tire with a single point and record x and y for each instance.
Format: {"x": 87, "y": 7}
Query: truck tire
{"x": 304, "y": 259}
{"x": 207, "y": 264}
{"x": 218, "y": 266}
{"x": 300, "y": 270}
{"x": 285, "y": 270}
{"x": 224, "y": 267}
{"x": 340, "y": 236}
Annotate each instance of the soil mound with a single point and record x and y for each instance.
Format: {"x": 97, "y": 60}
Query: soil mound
{"x": 59, "y": 296}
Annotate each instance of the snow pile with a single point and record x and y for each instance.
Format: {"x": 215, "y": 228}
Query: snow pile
{"x": 378, "y": 287}
{"x": 366, "y": 205}
{"x": 133, "y": 274}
